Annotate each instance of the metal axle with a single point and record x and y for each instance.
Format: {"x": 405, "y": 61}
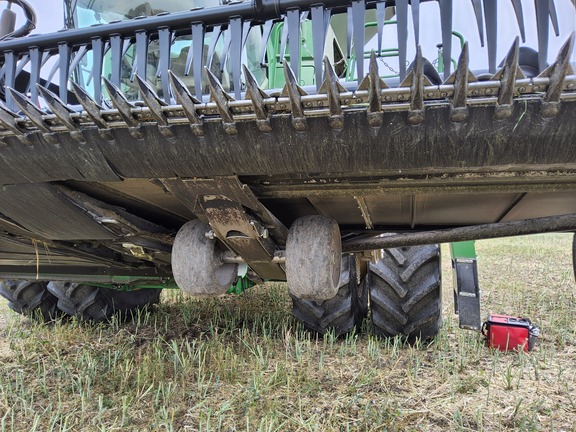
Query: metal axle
{"x": 477, "y": 232}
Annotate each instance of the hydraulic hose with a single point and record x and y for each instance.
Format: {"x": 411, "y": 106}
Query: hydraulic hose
{"x": 30, "y": 23}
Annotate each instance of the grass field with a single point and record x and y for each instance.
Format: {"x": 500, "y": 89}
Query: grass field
{"x": 242, "y": 363}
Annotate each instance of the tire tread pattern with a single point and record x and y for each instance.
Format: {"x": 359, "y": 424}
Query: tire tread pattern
{"x": 97, "y": 304}
{"x": 339, "y": 314}
{"x": 405, "y": 292}
{"x": 30, "y": 298}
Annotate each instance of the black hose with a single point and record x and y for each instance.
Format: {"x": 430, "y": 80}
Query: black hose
{"x": 30, "y": 24}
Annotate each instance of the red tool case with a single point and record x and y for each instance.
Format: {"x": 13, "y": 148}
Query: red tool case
{"x": 505, "y": 332}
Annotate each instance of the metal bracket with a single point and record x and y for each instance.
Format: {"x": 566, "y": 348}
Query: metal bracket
{"x": 242, "y": 234}
{"x": 189, "y": 192}
{"x": 238, "y": 219}
{"x": 466, "y": 286}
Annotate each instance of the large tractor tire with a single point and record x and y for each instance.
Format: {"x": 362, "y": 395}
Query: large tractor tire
{"x": 96, "y": 304}
{"x": 340, "y": 314}
{"x": 30, "y": 298}
{"x": 405, "y": 292}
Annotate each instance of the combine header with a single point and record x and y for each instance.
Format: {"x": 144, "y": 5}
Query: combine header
{"x": 262, "y": 140}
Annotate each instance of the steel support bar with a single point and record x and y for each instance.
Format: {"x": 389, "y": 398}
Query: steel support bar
{"x": 82, "y": 274}
{"x": 257, "y": 10}
{"x": 230, "y": 257}
{"x": 477, "y": 232}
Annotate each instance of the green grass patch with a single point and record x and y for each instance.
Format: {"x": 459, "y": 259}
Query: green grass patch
{"x": 242, "y": 363}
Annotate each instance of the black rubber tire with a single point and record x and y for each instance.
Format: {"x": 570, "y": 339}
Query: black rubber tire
{"x": 96, "y": 304}
{"x": 30, "y": 298}
{"x": 405, "y": 292}
{"x": 362, "y": 293}
{"x": 340, "y": 314}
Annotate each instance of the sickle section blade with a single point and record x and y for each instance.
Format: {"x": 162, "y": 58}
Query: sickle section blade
{"x": 121, "y": 103}
{"x": 92, "y": 109}
{"x": 152, "y": 101}
{"x": 459, "y": 110}
{"x": 89, "y": 105}
{"x": 221, "y": 99}
{"x": 29, "y": 109}
{"x": 558, "y": 70}
{"x": 294, "y": 92}
{"x": 257, "y": 96}
{"x": 7, "y": 121}
{"x": 417, "y": 90}
{"x": 461, "y": 79}
{"x": 155, "y": 104}
{"x": 507, "y": 76}
{"x": 333, "y": 88}
{"x": 375, "y": 86}
{"x": 58, "y": 108}
{"x": 62, "y": 112}
{"x": 557, "y": 73}
{"x": 188, "y": 102}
